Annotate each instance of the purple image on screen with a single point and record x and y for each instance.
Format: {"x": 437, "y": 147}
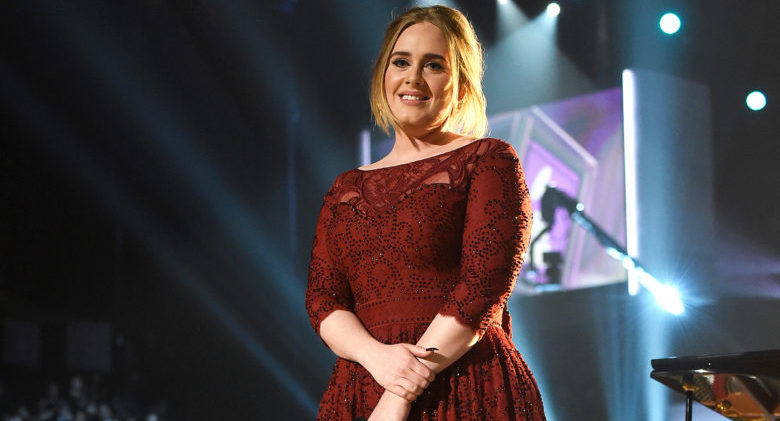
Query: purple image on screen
{"x": 539, "y": 162}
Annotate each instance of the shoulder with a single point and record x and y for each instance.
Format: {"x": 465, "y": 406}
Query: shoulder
{"x": 336, "y": 184}
{"x": 491, "y": 149}
{"x": 345, "y": 178}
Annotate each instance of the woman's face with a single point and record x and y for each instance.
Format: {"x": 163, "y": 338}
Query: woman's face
{"x": 418, "y": 80}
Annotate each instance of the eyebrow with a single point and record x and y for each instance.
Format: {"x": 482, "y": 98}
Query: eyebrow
{"x": 427, "y": 55}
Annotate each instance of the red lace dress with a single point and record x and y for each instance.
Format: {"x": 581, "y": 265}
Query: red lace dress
{"x": 397, "y": 245}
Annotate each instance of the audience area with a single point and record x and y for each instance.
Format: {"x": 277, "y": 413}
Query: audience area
{"x": 76, "y": 397}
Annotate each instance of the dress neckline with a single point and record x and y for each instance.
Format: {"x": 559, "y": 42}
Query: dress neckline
{"x": 426, "y": 158}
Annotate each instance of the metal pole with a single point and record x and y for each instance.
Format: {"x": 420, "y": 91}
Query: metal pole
{"x": 688, "y": 405}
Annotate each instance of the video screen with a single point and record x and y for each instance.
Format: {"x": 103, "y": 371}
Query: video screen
{"x": 576, "y": 146}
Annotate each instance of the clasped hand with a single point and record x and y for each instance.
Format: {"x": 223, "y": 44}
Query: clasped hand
{"x": 397, "y": 369}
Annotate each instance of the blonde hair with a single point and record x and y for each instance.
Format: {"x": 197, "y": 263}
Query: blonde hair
{"x": 468, "y": 115}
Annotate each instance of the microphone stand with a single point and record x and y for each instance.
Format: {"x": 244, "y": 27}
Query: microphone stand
{"x": 554, "y": 199}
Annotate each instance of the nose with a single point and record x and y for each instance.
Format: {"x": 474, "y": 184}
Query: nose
{"x": 415, "y": 77}
{"x": 413, "y": 80}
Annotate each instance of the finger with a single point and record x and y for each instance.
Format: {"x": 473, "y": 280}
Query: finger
{"x": 419, "y": 379}
{"x": 423, "y": 371}
{"x": 410, "y": 387}
{"x": 419, "y": 351}
{"x": 402, "y": 393}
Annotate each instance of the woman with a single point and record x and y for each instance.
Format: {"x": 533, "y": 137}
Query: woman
{"x": 415, "y": 255}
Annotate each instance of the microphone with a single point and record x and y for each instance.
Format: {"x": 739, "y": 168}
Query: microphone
{"x": 553, "y": 199}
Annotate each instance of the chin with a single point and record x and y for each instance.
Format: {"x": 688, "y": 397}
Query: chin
{"x": 418, "y": 131}
{"x": 418, "y": 124}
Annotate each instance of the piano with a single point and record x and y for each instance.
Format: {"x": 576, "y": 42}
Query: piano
{"x": 743, "y": 387}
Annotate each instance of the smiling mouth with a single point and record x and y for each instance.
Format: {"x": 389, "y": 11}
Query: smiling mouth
{"x": 413, "y": 97}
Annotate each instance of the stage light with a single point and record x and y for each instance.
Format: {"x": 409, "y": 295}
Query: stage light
{"x": 756, "y": 100}
{"x": 669, "y": 300}
{"x": 666, "y": 296}
{"x": 553, "y": 9}
{"x": 502, "y": 2}
{"x": 670, "y": 23}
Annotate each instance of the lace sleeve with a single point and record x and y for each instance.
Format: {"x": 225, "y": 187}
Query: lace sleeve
{"x": 328, "y": 289}
{"x": 495, "y": 236}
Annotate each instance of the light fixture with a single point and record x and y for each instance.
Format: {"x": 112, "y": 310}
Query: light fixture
{"x": 670, "y": 23}
{"x": 553, "y": 9}
{"x": 756, "y": 100}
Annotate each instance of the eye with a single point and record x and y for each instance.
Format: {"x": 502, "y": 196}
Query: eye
{"x": 435, "y": 65}
{"x": 400, "y": 62}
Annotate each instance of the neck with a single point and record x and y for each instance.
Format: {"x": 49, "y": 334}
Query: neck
{"x": 411, "y": 144}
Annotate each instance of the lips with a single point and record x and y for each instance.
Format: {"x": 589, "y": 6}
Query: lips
{"x": 412, "y": 97}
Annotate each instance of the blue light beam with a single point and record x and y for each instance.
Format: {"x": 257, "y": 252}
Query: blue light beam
{"x": 178, "y": 147}
{"x": 107, "y": 191}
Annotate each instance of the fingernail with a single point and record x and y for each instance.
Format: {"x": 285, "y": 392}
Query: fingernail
{"x": 431, "y": 349}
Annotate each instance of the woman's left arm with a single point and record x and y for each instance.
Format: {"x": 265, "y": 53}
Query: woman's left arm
{"x": 496, "y": 233}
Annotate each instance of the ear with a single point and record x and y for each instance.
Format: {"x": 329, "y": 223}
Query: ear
{"x": 461, "y": 96}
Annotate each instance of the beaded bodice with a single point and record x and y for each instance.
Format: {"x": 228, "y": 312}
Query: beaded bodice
{"x": 443, "y": 234}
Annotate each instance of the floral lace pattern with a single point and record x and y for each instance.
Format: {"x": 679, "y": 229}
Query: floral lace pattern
{"x": 442, "y": 235}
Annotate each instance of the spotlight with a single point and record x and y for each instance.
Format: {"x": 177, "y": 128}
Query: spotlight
{"x": 553, "y": 9}
{"x": 756, "y": 100}
{"x": 669, "y": 300}
{"x": 670, "y": 23}
{"x": 666, "y": 295}
{"x": 502, "y": 2}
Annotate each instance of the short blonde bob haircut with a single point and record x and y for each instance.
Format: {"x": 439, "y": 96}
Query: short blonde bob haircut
{"x": 468, "y": 115}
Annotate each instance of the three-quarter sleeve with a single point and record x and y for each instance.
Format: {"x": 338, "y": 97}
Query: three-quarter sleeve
{"x": 495, "y": 236}
{"x": 328, "y": 289}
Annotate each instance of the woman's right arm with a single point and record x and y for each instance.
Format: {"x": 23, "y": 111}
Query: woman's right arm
{"x": 330, "y": 306}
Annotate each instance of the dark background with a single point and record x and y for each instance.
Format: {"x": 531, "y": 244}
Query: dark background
{"x": 162, "y": 165}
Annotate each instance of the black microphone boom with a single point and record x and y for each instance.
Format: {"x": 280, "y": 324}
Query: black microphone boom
{"x": 554, "y": 198}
